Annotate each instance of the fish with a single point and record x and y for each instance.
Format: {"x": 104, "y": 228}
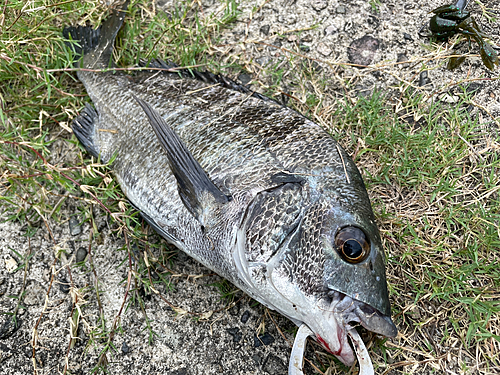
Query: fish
{"x": 250, "y": 188}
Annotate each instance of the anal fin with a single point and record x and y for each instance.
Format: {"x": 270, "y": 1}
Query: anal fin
{"x": 84, "y": 127}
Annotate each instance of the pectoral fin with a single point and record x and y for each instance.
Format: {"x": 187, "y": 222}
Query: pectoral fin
{"x": 198, "y": 193}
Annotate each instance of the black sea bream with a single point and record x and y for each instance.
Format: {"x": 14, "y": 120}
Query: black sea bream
{"x": 253, "y": 190}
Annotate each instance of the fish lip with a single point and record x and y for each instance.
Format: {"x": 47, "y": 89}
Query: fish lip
{"x": 374, "y": 321}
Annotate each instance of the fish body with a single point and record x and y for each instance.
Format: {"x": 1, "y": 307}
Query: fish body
{"x": 251, "y": 189}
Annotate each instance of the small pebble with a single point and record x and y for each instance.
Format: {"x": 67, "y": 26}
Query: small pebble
{"x": 341, "y": 9}
{"x": 9, "y": 327}
{"x": 245, "y": 317}
{"x": 274, "y": 366}
{"x": 263, "y": 61}
{"x": 257, "y": 359}
{"x": 10, "y": 264}
{"x": 125, "y": 348}
{"x": 181, "y": 371}
{"x": 81, "y": 254}
{"x": 265, "y": 339}
{"x": 64, "y": 286}
{"x": 372, "y": 20}
{"x": 74, "y": 226}
{"x": 407, "y": 37}
{"x": 423, "y": 79}
{"x": 324, "y": 49}
{"x": 319, "y": 5}
{"x": 236, "y": 333}
{"x": 330, "y": 30}
{"x": 277, "y": 43}
{"x": 447, "y": 98}
{"x": 362, "y": 51}
{"x": 265, "y": 29}
{"x": 402, "y": 57}
{"x": 475, "y": 87}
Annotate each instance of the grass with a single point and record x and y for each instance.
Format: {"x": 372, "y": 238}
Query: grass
{"x": 432, "y": 171}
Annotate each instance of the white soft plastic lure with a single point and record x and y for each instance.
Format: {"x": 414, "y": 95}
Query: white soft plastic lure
{"x": 299, "y": 347}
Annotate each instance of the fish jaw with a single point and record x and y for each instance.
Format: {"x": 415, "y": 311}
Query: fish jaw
{"x": 332, "y": 322}
{"x": 279, "y": 293}
{"x": 330, "y": 329}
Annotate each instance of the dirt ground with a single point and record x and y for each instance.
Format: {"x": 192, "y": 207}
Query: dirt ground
{"x": 338, "y": 36}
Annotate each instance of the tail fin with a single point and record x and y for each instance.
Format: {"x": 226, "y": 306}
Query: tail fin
{"x": 96, "y": 46}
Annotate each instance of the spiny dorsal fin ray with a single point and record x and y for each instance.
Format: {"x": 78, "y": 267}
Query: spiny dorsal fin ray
{"x": 207, "y": 77}
{"x": 197, "y": 191}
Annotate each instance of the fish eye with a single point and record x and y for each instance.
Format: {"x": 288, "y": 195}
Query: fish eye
{"x": 352, "y": 244}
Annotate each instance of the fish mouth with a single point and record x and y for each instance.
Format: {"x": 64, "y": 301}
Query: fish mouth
{"x": 340, "y": 314}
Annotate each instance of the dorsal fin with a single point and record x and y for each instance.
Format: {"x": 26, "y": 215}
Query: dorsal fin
{"x": 198, "y": 193}
{"x": 207, "y": 77}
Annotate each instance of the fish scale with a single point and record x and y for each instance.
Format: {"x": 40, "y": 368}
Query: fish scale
{"x": 269, "y": 224}
{"x": 253, "y": 190}
{"x": 306, "y": 267}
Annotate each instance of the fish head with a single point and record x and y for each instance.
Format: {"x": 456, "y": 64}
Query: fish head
{"x": 331, "y": 272}
{"x": 354, "y": 280}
